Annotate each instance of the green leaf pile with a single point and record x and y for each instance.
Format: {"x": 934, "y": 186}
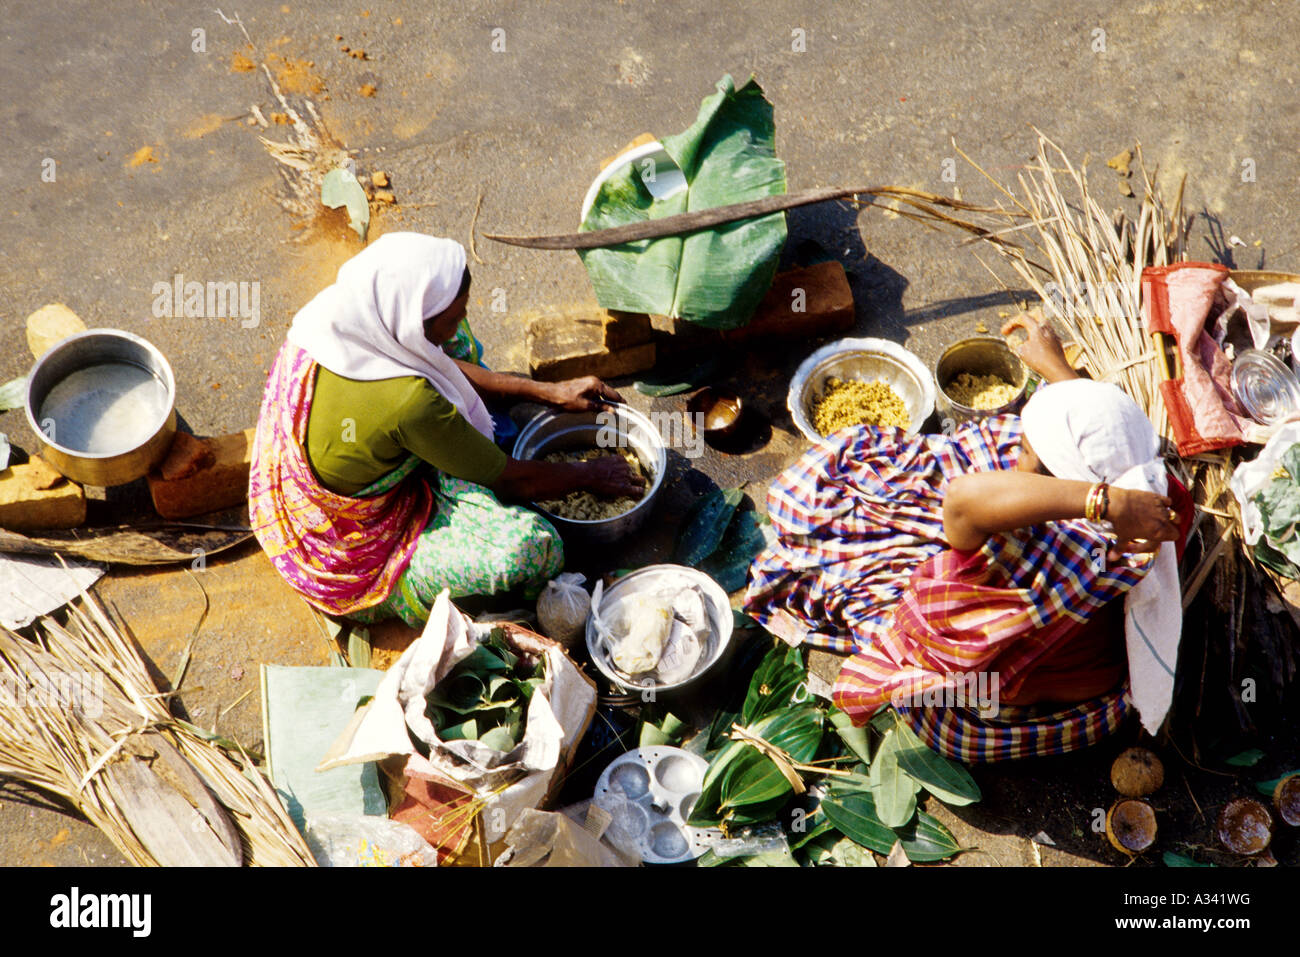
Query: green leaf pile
{"x": 721, "y": 539}
{"x": 485, "y": 696}
{"x": 871, "y": 800}
{"x": 1279, "y": 509}
{"x": 714, "y": 277}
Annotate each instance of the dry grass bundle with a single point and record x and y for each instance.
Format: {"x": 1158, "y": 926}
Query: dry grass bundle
{"x": 1086, "y": 265}
{"x": 83, "y": 720}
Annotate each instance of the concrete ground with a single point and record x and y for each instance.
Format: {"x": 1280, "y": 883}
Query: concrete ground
{"x": 124, "y": 133}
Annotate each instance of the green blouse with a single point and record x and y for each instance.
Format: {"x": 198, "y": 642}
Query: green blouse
{"x": 358, "y": 432}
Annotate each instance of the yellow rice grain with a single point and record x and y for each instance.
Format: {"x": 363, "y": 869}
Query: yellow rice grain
{"x": 981, "y": 391}
{"x": 858, "y": 403}
{"x": 584, "y": 506}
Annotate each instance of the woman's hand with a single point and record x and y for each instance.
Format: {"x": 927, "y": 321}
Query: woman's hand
{"x": 612, "y": 477}
{"x": 1142, "y": 521}
{"x": 581, "y": 395}
{"x": 1042, "y": 350}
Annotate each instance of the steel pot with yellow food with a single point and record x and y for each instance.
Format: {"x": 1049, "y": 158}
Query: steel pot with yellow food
{"x": 573, "y": 436}
{"x": 979, "y": 377}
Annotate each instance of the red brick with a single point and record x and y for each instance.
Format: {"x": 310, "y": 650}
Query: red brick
{"x": 221, "y": 484}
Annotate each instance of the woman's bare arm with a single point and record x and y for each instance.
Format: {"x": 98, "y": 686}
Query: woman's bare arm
{"x": 981, "y": 504}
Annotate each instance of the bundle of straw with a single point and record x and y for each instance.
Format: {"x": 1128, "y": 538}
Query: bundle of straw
{"x": 1086, "y": 266}
{"x": 79, "y": 746}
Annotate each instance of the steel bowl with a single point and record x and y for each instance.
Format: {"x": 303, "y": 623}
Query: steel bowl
{"x": 99, "y": 436}
{"x": 651, "y": 578}
{"x": 980, "y": 355}
{"x": 1265, "y": 387}
{"x": 869, "y": 360}
{"x": 560, "y": 431}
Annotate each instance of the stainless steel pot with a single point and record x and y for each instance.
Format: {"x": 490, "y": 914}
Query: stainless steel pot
{"x": 136, "y": 456}
{"x": 560, "y": 431}
{"x": 980, "y": 355}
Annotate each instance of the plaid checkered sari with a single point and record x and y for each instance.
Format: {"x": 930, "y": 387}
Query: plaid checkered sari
{"x": 861, "y": 566}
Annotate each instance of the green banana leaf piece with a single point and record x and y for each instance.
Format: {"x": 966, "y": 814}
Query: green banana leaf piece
{"x": 340, "y": 188}
{"x": 675, "y": 386}
{"x": 1180, "y": 860}
{"x": 853, "y": 811}
{"x": 893, "y": 789}
{"x": 814, "y": 826}
{"x": 4, "y": 451}
{"x": 705, "y": 524}
{"x": 465, "y": 731}
{"x": 498, "y": 739}
{"x": 1246, "y": 759}
{"x": 741, "y": 775}
{"x": 926, "y": 839}
{"x": 948, "y": 781}
{"x": 715, "y": 277}
{"x": 857, "y": 740}
{"x": 775, "y": 681}
{"x": 741, "y": 542}
{"x": 1267, "y": 787}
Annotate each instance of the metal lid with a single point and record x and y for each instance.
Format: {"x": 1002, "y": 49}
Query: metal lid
{"x": 1266, "y": 388}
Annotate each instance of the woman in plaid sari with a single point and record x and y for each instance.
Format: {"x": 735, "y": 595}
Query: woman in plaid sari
{"x": 975, "y": 585}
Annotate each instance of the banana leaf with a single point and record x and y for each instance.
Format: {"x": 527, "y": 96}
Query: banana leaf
{"x": 926, "y": 839}
{"x": 855, "y": 739}
{"x": 704, "y": 525}
{"x": 894, "y": 790}
{"x": 740, "y": 775}
{"x": 741, "y": 542}
{"x": 853, "y": 811}
{"x": 775, "y": 681}
{"x": 1267, "y": 787}
{"x": 715, "y": 277}
{"x": 948, "y": 781}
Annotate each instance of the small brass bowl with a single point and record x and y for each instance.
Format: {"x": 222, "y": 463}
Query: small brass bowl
{"x": 716, "y": 412}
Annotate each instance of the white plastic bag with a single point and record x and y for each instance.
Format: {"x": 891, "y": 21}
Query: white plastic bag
{"x": 1250, "y": 477}
{"x": 563, "y": 607}
{"x": 558, "y": 715}
{"x": 341, "y": 840}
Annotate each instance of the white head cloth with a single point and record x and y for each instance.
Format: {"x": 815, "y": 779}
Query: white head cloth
{"x": 370, "y": 324}
{"x": 1092, "y": 432}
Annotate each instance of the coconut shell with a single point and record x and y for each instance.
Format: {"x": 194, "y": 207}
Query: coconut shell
{"x": 1286, "y": 799}
{"x": 1137, "y": 772}
{"x": 1245, "y": 826}
{"x": 1131, "y": 826}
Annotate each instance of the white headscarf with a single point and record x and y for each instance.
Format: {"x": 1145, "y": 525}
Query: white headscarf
{"x": 1092, "y": 432}
{"x": 370, "y": 324}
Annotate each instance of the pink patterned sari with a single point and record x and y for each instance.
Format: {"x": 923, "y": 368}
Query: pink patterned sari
{"x": 341, "y": 553}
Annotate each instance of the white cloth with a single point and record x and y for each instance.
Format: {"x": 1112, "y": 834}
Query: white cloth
{"x": 32, "y": 585}
{"x": 370, "y": 323}
{"x": 1090, "y": 431}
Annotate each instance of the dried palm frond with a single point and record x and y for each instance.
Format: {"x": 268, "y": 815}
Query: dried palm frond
{"x": 310, "y": 154}
{"x": 82, "y": 719}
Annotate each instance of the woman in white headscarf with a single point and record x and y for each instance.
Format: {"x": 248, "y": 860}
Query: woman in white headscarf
{"x": 377, "y": 381}
{"x": 1010, "y": 588}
